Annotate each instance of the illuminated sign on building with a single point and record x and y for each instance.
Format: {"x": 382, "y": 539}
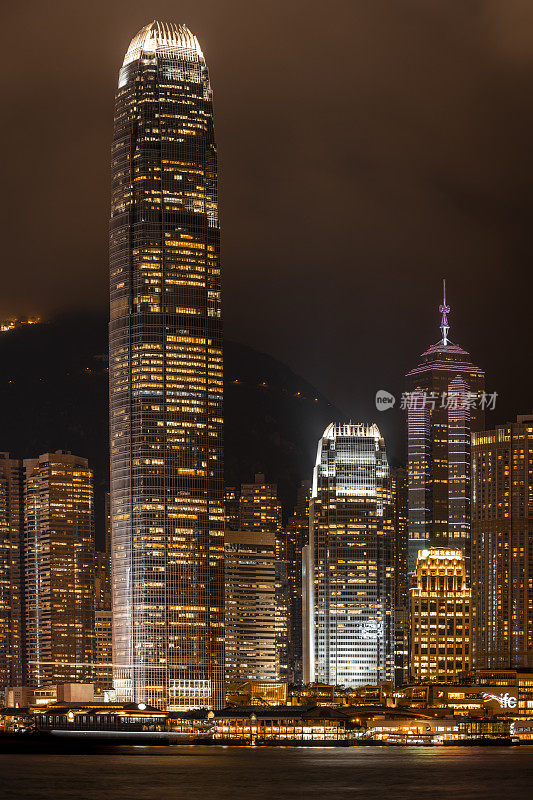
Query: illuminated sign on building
{"x": 505, "y": 699}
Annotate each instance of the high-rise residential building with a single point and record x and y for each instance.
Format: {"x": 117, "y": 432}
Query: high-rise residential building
{"x": 445, "y": 403}
{"x": 58, "y": 568}
{"x": 259, "y": 507}
{"x": 255, "y": 621}
{"x": 502, "y": 545}
{"x": 348, "y": 574}
{"x": 440, "y": 616}
{"x": 296, "y": 539}
{"x": 11, "y": 573}
{"x": 165, "y": 365}
{"x": 399, "y": 485}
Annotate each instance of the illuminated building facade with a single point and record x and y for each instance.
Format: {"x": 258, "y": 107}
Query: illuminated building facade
{"x": 399, "y": 485}
{"x": 103, "y": 649}
{"x": 502, "y": 545}
{"x": 256, "y": 509}
{"x": 231, "y": 506}
{"x": 102, "y": 583}
{"x": 103, "y": 623}
{"x": 260, "y": 511}
{"x": 166, "y": 389}
{"x": 348, "y": 578}
{"x": 58, "y": 568}
{"x": 255, "y": 622}
{"x": 441, "y": 415}
{"x": 259, "y": 507}
{"x": 11, "y": 588}
{"x": 296, "y": 539}
{"x": 102, "y": 565}
{"x": 440, "y": 616}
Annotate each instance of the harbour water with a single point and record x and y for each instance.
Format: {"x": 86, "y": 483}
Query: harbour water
{"x": 246, "y": 773}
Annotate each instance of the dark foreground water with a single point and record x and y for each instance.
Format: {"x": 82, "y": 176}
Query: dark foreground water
{"x": 218, "y": 773}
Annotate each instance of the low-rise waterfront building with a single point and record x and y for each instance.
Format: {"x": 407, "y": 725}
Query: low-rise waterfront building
{"x": 253, "y": 725}
{"x": 97, "y": 716}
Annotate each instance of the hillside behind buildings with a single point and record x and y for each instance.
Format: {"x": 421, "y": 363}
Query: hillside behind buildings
{"x": 54, "y": 395}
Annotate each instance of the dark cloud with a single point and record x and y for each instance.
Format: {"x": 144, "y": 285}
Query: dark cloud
{"x": 366, "y": 150}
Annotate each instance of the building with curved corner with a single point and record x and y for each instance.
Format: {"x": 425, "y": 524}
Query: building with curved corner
{"x": 165, "y": 378}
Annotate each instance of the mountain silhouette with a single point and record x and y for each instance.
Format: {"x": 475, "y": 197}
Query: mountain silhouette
{"x": 54, "y": 396}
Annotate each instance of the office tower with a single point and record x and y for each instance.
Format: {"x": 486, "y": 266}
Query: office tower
{"x": 231, "y": 507}
{"x": 440, "y": 616}
{"x": 254, "y": 619}
{"x": 445, "y": 402}
{"x": 259, "y": 507}
{"x": 260, "y": 511}
{"x": 296, "y": 539}
{"x": 502, "y": 545}
{"x": 399, "y": 484}
{"x": 165, "y": 366}
{"x": 348, "y": 565}
{"x": 11, "y": 575}
{"x": 103, "y": 649}
{"x": 59, "y": 568}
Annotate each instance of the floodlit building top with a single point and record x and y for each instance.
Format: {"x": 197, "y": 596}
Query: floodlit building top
{"x": 164, "y": 38}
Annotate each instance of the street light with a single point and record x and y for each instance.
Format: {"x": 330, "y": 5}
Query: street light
{"x": 253, "y": 723}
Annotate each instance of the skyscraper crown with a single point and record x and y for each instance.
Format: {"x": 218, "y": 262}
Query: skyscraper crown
{"x": 165, "y": 38}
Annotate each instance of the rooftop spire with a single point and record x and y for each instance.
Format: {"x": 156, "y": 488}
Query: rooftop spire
{"x": 444, "y": 310}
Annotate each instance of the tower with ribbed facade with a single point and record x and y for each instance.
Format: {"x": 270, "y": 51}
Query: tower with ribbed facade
{"x": 348, "y": 565}
{"x": 165, "y": 377}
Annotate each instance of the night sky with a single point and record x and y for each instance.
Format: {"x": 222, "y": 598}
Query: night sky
{"x": 367, "y": 149}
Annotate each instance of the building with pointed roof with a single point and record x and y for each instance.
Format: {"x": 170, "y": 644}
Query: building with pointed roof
{"x": 444, "y": 405}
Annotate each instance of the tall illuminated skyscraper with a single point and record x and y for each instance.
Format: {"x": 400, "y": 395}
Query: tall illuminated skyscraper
{"x": 441, "y": 416}
{"x": 166, "y": 377}
{"x": 348, "y": 578}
